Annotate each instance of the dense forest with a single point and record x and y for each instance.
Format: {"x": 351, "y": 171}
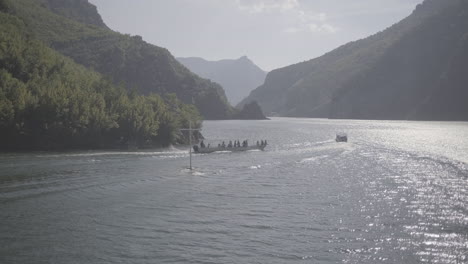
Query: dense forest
{"x": 47, "y": 101}
{"x": 415, "y": 69}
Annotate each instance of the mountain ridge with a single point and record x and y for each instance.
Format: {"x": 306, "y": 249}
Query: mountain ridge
{"x": 79, "y": 10}
{"x": 318, "y": 87}
{"x": 123, "y": 58}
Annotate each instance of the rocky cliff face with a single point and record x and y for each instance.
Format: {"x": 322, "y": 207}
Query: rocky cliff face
{"x": 399, "y": 73}
{"x": 238, "y": 77}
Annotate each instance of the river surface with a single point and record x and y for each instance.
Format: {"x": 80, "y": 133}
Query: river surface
{"x": 397, "y": 192}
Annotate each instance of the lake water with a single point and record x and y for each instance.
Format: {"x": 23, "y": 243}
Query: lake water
{"x": 397, "y": 192}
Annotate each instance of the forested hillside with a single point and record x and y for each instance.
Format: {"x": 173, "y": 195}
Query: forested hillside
{"x": 71, "y": 28}
{"x": 411, "y": 70}
{"x": 47, "y": 101}
{"x": 238, "y": 77}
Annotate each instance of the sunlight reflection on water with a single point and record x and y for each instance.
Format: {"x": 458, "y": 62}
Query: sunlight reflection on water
{"x": 397, "y": 192}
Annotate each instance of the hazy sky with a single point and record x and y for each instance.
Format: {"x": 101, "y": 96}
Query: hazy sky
{"x": 273, "y": 33}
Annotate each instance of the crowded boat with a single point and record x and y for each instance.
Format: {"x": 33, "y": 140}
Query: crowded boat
{"x": 235, "y": 145}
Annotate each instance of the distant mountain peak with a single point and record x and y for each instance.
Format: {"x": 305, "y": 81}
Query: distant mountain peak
{"x": 237, "y": 76}
{"x": 245, "y": 59}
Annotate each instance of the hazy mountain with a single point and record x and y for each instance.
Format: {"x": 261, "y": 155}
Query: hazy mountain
{"x": 415, "y": 69}
{"x": 238, "y": 77}
{"x": 75, "y": 29}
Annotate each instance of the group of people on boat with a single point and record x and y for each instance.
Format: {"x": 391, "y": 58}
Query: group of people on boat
{"x": 235, "y": 144}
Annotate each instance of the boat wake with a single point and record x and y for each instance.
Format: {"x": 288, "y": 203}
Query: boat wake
{"x": 159, "y": 152}
{"x": 313, "y": 159}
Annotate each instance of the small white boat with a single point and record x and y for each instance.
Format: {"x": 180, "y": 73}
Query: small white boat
{"x": 341, "y": 137}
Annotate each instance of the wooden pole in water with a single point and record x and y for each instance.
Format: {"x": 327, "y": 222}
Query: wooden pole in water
{"x": 190, "y": 130}
{"x": 190, "y": 142}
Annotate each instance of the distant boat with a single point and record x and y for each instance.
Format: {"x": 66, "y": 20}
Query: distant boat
{"x": 197, "y": 149}
{"x": 341, "y": 137}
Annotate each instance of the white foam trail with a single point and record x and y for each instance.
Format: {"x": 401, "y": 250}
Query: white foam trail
{"x": 112, "y": 153}
{"x": 312, "y": 159}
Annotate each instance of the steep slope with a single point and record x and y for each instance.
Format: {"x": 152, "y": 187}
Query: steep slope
{"x": 416, "y": 78}
{"x": 125, "y": 59}
{"x": 238, "y": 77}
{"x": 389, "y": 75}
